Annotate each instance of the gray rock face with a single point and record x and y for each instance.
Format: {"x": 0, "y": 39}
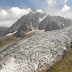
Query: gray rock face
{"x": 49, "y": 24}
{"x": 53, "y": 23}
{"x": 62, "y": 20}
{"x": 36, "y": 53}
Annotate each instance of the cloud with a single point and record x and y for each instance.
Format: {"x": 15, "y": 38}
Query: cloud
{"x": 9, "y": 16}
{"x": 39, "y": 10}
{"x": 65, "y": 8}
{"x": 51, "y": 2}
{"x": 65, "y": 2}
{"x": 17, "y": 11}
{"x": 6, "y": 23}
{"x": 58, "y": 8}
{"x": 3, "y": 12}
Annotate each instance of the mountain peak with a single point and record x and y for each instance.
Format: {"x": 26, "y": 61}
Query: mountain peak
{"x": 40, "y": 11}
{"x": 31, "y": 10}
{"x": 34, "y": 11}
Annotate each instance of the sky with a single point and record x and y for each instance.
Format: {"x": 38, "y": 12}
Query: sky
{"x": 11, "y": 10}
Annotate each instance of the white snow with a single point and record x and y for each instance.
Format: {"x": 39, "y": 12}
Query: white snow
{"x": 41, "y": 19}
{"x": 9, "y": 34}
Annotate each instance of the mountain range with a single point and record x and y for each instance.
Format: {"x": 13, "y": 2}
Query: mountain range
{"x": 36, "y": 20}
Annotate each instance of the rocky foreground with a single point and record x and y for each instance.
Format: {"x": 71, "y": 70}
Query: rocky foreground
{"x": 36, "y": 53}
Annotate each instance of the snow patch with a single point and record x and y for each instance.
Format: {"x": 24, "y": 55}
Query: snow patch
{"x": 41, "y": 19}
{"x": 11, "y": 33}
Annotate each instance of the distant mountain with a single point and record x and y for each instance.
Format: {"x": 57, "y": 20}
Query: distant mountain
{"x": 37, "y": 20}
{"x": 3, "y": 30}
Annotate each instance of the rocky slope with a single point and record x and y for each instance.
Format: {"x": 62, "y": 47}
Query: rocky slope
{"x": 54, "y": 22}
{"x": 49, "y": 24}
{"x": 36, "y": 53}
